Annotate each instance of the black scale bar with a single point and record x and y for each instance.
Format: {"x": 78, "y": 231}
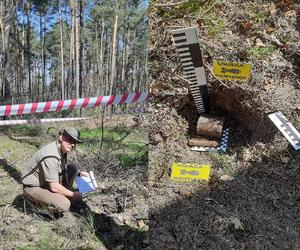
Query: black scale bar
{"x": 186, "y": 60}
{"x": 178, "y": 34}
{"x": 192, "y": 77}
{"x": 187, "y": 63}
{"x": 188, "y": 68}
{"x": 190, "y": 73}
{"x": 181, "y": 41}
{"x": 191, "y": 58}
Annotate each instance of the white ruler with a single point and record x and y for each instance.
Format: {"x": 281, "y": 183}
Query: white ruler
{"x": 286, "y": 128}
{"x": 191, "y": 59}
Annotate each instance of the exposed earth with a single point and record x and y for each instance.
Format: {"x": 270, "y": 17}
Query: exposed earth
{"x": 252, "y": 198}
{"x": 117, "y": 214}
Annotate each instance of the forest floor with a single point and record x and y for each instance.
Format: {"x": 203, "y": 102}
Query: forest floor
{"x": 117, "y": 217}
{"x": 252, "y": 198}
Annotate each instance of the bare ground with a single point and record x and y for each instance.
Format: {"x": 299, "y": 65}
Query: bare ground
{"x": 259, "y": 208}
{"x": 117, "y": 214}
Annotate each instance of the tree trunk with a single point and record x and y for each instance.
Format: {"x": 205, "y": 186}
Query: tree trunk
{"x": 123, "y": 69}
{"x": 108, "y": 60}
{"x": 101, "y": 73}
{"x": 127, "y": 66}
{"x": 144, "y": 81}
{"x": 72, "y": 52}
{"x": 135, "y": 75}
{"x": 4, "y": 27}
{"x": 81, "y": 47}
{"x": 42, "y": 56}
{"x": 44, "y": 63}
{"x": 62, "y": 74}
{"x": 18, "y": 82}
{"x": 77, "y": 52}
{"x": 24, "y": 88}
{"x": 113, "y": 58}
{"x": 28, "y": 40}
{"x": 99, "y": 60}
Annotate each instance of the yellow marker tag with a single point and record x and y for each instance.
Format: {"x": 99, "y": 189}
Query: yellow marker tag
{"x": 234, "y": 71}
{"x": 189, "y": 172}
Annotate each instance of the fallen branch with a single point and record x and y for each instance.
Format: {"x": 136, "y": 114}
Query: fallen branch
{"x": 211, "y": 71}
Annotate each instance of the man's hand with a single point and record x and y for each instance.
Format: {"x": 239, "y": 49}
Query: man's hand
{"x": 77, "y": 196}
{"x": 83, "y": 173}
{"x": 56, "y": 187}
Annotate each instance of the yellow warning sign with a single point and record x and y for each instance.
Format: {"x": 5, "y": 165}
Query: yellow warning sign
{"x": 231, "y": 70}
{"x": 189, "y": 172}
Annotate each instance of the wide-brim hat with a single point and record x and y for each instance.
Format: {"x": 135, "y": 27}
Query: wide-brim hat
{"x": 72, "y": 133}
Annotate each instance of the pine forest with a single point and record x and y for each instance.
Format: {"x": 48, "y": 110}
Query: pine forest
{"x": 57, "y": 50}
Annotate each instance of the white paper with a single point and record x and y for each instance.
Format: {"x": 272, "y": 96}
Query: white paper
{"x": 86, "y": 184}
{"x": 93, "y": 179}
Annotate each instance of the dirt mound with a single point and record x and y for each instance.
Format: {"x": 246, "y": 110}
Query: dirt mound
{"x": 262, "y": 41}
{"x": 250, "y": 210}
{"x": 236, "y": 214}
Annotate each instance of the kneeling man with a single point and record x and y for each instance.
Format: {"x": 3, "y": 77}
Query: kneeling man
{"x": 49, "y": 179}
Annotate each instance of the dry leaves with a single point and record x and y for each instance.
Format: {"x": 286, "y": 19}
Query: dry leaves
{"x": 290, "y": 13}
{"x": 141, "y": 223}
{"x": 226, "y": 177}
{"x": 272, "y": 9}
{"x": 237, "y": 223}
{"x": 259, "y": 43}
{"x": 245, "y": 26}
{"x": 270, "y": 30}
{"x": 285, "y": 4}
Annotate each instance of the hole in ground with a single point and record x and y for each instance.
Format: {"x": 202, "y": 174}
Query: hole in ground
{"x": 247, "y": 119}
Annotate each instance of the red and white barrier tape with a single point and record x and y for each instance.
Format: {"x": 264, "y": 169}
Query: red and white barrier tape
{"x": 44, "y": 107}
{"x": 38, "y": 121}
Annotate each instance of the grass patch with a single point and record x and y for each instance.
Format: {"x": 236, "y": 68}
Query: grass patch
{"x": 190, "y": 7}
{"x": 215, "y": 25}
{"x": 46, "y": 239}
{"x": 296, "y": 123}
{"x": 109, "y": 134}
{"x": 112, "y": 136}
{"x": 15, "y": 151}
{"x": 258, "y": 14}
{"x": 205, "y": 11}
{"x": 129, "y": 146}
{"x": 211, "y": 19}
{"x": 285, "y": 38}
{"x": 261, "y": 17}
{"x": 225, "y": 163}
{"x": 261, "y": 52}
{"x": 26, "y": 130}
{"x": 135, "y": 155}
